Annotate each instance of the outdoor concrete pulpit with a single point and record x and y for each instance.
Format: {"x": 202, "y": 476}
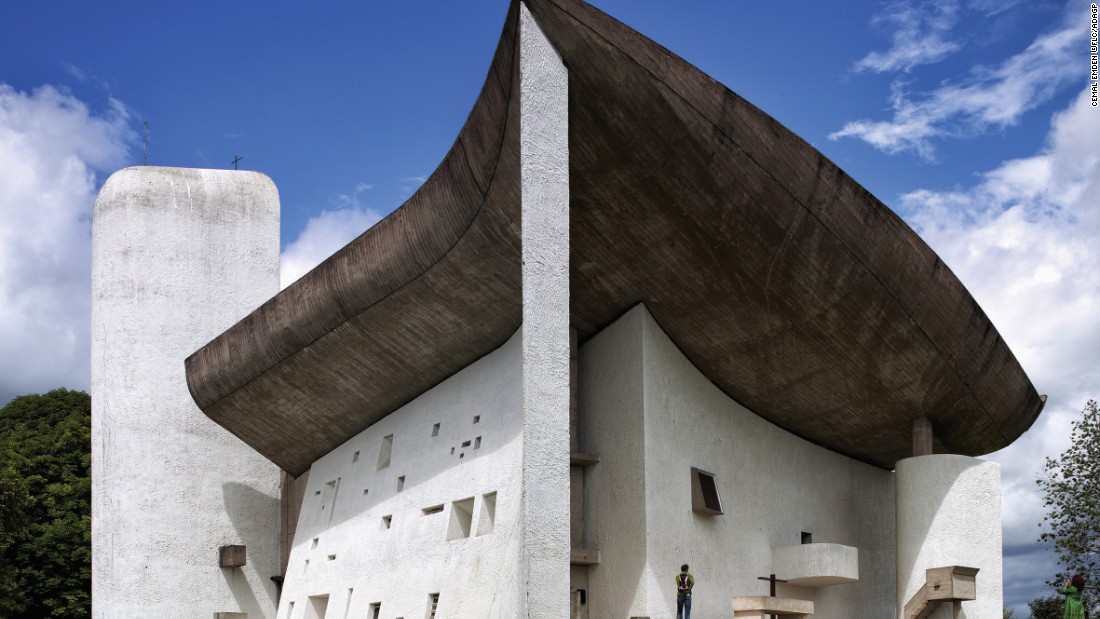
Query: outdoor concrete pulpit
{"x": 757, "y": 606}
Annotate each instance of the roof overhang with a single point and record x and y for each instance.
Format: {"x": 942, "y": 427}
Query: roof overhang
{"x": 786, "y": 283}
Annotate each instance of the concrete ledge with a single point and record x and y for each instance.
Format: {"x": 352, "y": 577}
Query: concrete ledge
{"x": 584, "y": 556}
{"x": 816, "y": 565}
{"x": 753, "y": 606}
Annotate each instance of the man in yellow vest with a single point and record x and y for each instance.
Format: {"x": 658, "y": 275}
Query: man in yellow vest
{"x": 684, "y": 582}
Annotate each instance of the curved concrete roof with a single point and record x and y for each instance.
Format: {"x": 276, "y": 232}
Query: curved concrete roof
{"x": 786, "y": 283}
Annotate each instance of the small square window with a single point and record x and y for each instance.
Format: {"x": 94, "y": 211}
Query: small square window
{"x": 807, "y": 537}
{"x": 477, "y": 418}
{"x": 704, "y": 493}
{"x": 387, "y": 521}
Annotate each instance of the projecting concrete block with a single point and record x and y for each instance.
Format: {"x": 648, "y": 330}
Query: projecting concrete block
{"x": 816, "y": 565}
{"x": 232, "y": 556}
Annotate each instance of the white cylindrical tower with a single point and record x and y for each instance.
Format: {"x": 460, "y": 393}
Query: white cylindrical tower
{"x": 178, "y": 256}
{"x": 949, "y": 513}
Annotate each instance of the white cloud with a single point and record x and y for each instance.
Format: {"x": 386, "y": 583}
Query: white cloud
{"x": 1023, "y": 240}
{"x": 988, "y": 97}
{"x": 52, "y": 149}
{"x": 323, "y": 235}
{"x": 919, "y": 36}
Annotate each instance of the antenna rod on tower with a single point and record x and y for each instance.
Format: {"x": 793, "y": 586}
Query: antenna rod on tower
{"x": 146, "y": 142}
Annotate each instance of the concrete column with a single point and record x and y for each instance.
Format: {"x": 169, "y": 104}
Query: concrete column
{"x": 949, "y": 513}
{"x": 922, "y": 436}
{"x": 178, "y": 256}
{"x": 544, "y": 170}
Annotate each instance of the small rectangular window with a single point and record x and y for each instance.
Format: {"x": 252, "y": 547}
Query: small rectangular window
{"x": 434, "y": 509}
{"x": 433, "y": 603}
{"x": 400, "y": 483}
{"x": 477, "y": 443}
{"x": 704, "y": 493}
{"x": 485, "y": 520}
{"x": 435, "y": 430}
{"x": 462, "y": 516}
{"x": 385, "y": 452}
{"x": 315, "y": 541}
{"x": 465, "y": 444}
{"x": 328, "y": 499}
{"x": 477, "y": 418}
{"x": 355, "y": 457}
{"x": 375, "y": 609}
{"x": 387, "y": 521}
{"x": 332, "y": 557}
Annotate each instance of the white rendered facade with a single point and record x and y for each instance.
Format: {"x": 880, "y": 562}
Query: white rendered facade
{"x": 426, "y": 501}
{"x": 177, "y": 257}
{"x": 485, "y": 495}
{"x": 650, "y": 417}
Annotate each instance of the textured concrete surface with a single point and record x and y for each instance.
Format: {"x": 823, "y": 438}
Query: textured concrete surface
{"x": 343, "y": 548}
{"x": 949, "y": 513}
{"x": 178, "y": 256}
{"x": 791, "y": 288}
{"x": 651, "y": 415}
{"x": 544, "y": 174}
{"x": 816, "y": 565}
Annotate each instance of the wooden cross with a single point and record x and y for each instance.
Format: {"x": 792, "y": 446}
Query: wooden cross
{"x": 771, "y": 579}
{"x": 236, "y": 160}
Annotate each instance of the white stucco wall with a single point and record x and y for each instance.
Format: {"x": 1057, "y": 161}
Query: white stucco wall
{"x": 614, "y": 515}
{"x": 773, "y": 486}
{"x": 476, "y": 575}
{"x": 544, "y": 172}
{"x": 178, "y": 256}
{"x": 949, "y": 513}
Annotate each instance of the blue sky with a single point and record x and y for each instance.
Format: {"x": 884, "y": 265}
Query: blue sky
{"x": 965, "y": 116}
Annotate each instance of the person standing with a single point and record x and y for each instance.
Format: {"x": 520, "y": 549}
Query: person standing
{"x": 684, "y": 582}
{"x": 1072, "y": 589}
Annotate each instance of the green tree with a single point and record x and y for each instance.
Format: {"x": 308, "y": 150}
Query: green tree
{"x": 1047, "y": 608}
{"x": 1071, "y": 489}
{"x": 45, "y": 506}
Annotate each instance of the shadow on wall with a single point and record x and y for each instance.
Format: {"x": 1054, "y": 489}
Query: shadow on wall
{"x": 252, "y": 513}
{"x": 468, "y": 417}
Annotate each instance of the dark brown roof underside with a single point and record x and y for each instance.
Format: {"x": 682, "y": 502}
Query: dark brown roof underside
{"x": 787, "y": 284}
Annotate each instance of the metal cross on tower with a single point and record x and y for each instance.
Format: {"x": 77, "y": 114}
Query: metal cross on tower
{"x": 236, "y": 160}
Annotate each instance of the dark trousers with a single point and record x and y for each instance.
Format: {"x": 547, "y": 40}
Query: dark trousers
{"x": 683, "y": 606}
